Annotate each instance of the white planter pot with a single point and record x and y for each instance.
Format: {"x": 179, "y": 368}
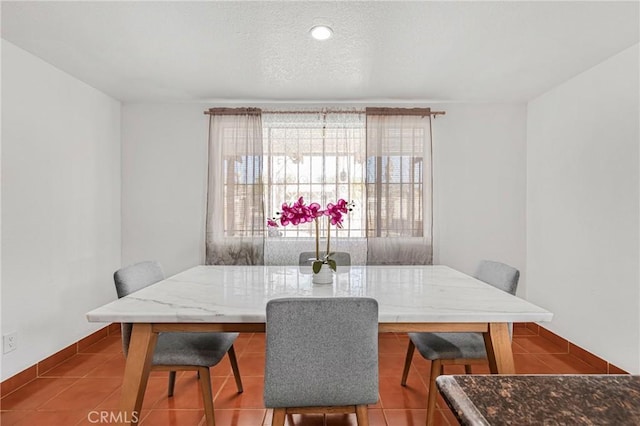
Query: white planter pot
{"x": 325, "y": 276}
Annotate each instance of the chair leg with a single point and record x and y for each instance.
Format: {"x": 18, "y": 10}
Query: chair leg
{"x": 362, "y": 415}
{"x": 407, "y": 363}
{"x": 436, "y": 370}
{"x": 172, "y": 383}
{"x": 467, "y": 369}
{"x": 234, "y": 367}
{"x": 278, "y": 417}
{"x": 207, "y": 397}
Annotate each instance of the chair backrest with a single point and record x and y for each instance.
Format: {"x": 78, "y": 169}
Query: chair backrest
{"x": 342, "y": 258}
{"x": 321, "y": 352}
{"x": 499, "y": 275}
{"x": 133, "y": 278}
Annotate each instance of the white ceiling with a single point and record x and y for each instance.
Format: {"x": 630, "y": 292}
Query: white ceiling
{"x": 381, "y": 51}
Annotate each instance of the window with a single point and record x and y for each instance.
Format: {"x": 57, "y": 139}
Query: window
{"x": 320, "y": 157}
{"x": 380, "y": 160}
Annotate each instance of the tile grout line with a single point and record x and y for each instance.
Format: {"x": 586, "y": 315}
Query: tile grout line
{"x": 224, "y": 379}
{"x": 75, "y": 380}
{"x": 76, "y": 350}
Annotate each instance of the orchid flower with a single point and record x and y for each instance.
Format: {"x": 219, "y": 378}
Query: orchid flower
{"x": 298, "y": 213}
{"x": 335, "y": 212}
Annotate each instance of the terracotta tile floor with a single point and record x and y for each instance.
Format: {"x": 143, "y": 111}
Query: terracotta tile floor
{"x": 90, "y": 382}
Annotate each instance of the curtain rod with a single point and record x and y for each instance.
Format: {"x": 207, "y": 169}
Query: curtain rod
{"x": 397, "y": 111}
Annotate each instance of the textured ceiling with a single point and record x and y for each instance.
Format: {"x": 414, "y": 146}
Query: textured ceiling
{"x": 381, "y": 51}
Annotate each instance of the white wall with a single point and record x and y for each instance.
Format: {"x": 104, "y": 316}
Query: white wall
{"x": 164, "y": 172}
{"x": 479, "y": 152}
{"x": 60, "y": 206}
{"x": 583, "y": 209}
{"x": 479, "y": 182}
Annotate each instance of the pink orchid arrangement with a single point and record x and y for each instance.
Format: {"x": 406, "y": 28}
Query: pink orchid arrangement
{"x": 298, "y": 213}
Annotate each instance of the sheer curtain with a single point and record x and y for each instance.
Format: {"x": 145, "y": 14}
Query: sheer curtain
{"x": 319, "y": 156}
{"x": 399, "y": 186}
{"x": 235, "y": 211}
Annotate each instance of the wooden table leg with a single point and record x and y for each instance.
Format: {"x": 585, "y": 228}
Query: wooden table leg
{"x": 499, "y": 353}
{"x": 136, "y": 372}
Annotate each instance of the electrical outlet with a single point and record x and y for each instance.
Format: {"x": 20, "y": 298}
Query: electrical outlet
{"x": 10, "y": 342}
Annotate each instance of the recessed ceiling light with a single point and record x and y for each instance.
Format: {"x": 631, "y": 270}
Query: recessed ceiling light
{"x": 321, "y": 32}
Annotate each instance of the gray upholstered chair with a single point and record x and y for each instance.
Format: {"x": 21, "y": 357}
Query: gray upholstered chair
{"x": 180, "y": 350}
{"x": 342, "y": 258}
{"x": 322, "y": 356}
{"x": 458, "y": 348}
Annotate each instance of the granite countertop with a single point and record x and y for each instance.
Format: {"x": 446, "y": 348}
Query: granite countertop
{"x": 543, "y": 399}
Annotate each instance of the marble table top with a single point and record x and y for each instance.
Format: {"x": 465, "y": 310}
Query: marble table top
{"x": 543, "y": 399}
{"x": 238, "y": 294}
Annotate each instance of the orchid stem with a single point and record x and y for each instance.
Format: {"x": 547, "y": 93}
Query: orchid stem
{"x": 328, "y": 235}
{"x": 317, "y": 239}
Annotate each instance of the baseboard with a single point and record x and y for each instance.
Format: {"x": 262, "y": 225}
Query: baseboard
{"x": 598, "y": 363}
{"x": 32, "y": 372}
{"x": 22, "y": 378}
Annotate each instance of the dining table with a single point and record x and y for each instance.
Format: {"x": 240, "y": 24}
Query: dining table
{"x": 233, "y": 298}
